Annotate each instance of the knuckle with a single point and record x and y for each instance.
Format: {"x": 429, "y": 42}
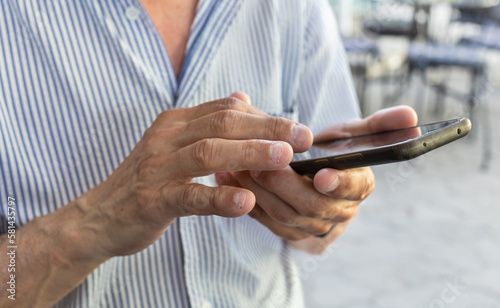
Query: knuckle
{"x": 274, "y": 125}
{"x": 158, "y": 137}
{"x": 322, "y": 229}
{"x": 203, "y": 200}
{"x": 369, "y": 187}
{"x": 309, "y": 213}
{"x": 248, "y": 152}
{"x": 357, "y": 187}
{"x": 168, "y": 116}
{"x": 195, "y": 201}
{"x": 204, "y": 153}
{"x": 189, "y": 199}
{"x": 316, "y": 208}
{"x": 164, "y": 115}
{"x": 211, "y": 199}
{"x": 223, "y": 122}
{"x": 284, "y": 218}
{"x": 153, "y": 139}
{"x": 230, "y": 103}
{"x": 315, "y": 212}
{"x": 325, "y": 229}
{"x": 345, "y": 214}
{"x": 188, "y": 195}
{"x": 348, "y": 187}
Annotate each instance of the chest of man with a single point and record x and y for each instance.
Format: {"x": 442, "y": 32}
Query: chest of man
{"x": 173, "y": 19}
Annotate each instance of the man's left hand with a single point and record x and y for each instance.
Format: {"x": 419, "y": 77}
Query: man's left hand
{"x": 298, "y": 208}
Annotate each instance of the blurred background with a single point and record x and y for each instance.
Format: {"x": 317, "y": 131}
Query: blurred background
{"x": 429, "y": 236}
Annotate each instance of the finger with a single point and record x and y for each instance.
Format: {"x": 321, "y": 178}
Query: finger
{"x": 352, "y": 184}
{"x": 236, "y": 125}
{"x": 382, "y": 120}
{"x": 197, "y": 199}
{"x": 300, "y": 192}
{"x": 387, "y": 119}
{"x": 281, "y": 212}
{"x": 242, "y": 96}
{"x": 212, "y": 155}
{"x": 227, "y": 178}
{"x": 228, "y": 103}
{"x": 174, "y": 117}
{"x": 224, "y": 178}
{"x": 285, "y": 232}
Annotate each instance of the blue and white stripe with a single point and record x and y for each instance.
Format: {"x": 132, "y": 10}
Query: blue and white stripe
{"x": 79, "y": 84}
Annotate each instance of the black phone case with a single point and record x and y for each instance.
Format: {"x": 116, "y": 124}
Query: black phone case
{"x": 386, "y": 154}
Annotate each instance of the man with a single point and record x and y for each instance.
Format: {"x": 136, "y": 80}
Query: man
{"x": 111, "y": 149}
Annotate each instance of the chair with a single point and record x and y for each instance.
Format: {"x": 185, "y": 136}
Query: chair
{"x": 425, "y": 55}
{"x": 361, "y": 52}
{"x": 394, "y": 27}
{"x": 489, "y": 37}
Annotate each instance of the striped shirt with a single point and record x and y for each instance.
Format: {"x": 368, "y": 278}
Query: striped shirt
{"x": 80, "y": 81}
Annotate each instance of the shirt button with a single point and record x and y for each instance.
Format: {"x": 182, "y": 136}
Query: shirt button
{"x": 132, "y": 13}
{"x": 206, "y": 304}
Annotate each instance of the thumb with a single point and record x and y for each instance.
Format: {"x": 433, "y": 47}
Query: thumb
{"x": 197, "y": 199}
{"x": 383, "y": 120}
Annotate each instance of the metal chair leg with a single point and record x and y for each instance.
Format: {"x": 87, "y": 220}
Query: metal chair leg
{"x": 487, "y": 138}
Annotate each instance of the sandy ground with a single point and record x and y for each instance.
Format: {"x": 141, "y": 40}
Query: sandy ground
{"x": 429, "y": 236}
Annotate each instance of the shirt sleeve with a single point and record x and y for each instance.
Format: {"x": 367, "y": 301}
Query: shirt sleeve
{"x": 326, "y": 92}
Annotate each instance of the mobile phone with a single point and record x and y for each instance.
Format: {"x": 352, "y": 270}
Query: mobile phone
{"x": 379, "y": 148}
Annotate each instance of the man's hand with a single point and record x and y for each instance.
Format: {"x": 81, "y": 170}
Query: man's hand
{"x": 296, "y": 207}
{"x": 152, "y": 187}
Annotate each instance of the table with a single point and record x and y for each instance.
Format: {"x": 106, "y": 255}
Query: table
{"x": 463, "y": 4}
{"x": 423, "y": 8}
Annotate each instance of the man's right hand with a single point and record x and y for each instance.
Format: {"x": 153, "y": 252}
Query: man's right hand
{"x": 134, "y": 206}
{"x": 152, "y": 187}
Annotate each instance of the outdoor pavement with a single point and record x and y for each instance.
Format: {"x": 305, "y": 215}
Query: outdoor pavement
{"x": 429, "y": 236}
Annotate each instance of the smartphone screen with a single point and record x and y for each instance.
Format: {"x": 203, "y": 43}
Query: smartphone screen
{"x": 364, "y": 142}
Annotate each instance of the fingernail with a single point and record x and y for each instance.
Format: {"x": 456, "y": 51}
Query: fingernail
{"x": 222, "y": 178}
{"x": 276, "y": 152}
{"x": 255, "y": 173}
{"x": 299, "y": 133}
{"x": 333, "y": 185}
{"x": 239, "y": 199}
